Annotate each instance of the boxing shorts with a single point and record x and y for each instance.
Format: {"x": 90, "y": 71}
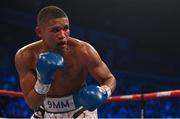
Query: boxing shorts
{"x": 62, "y": 107}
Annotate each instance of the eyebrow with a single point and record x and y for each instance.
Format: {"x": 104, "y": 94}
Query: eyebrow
{"x": 55, "y": 26}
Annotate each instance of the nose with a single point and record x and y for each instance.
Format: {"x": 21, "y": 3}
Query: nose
{"x": 61, "y": 34}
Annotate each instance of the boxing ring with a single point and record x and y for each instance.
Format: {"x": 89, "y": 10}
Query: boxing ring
{"x": 134, "y": 97}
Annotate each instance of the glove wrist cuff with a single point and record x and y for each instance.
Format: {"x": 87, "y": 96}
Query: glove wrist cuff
{"x": 41, "y": 88}
{"x": 107, "y": 89}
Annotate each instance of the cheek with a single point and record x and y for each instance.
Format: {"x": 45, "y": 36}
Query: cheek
{"x": 68, "y": 33}
{"x": 49, "y": 36}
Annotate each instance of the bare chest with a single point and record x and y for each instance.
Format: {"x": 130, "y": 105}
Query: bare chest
{"x": 68, "y": 79}
{"x": 72, "y": 76}
{"x": 70, "y": 71}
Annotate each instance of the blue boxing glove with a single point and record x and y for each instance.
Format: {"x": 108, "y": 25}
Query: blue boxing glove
{"x": 47, "y": 64}
{"x": 91, "y": 97}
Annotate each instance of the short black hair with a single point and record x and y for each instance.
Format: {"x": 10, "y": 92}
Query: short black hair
{"x": 49, "y": 12}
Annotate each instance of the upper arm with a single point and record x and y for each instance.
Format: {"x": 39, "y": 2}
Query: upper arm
{"x": 97, "y": 68}
{"x": 25, "y": 65}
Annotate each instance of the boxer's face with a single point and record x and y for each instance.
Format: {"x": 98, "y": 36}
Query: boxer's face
{"x": 55, "y": 33}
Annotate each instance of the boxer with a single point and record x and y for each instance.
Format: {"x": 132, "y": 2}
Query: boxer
{"x": 53, "y": 70}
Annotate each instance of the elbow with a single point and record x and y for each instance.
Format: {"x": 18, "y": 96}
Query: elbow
{"x": 32, "y": 106}
{"x": 34, "y": 100}
{"x": 113, "y": 83}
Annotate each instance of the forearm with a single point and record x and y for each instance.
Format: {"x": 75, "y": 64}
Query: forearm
{"x": 34, "y": 100}
{"x": 110, "y": 82}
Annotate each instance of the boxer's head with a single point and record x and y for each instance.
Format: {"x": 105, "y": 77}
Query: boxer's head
{"x": 53, "y": 26}
{"x": 48, "y": 13}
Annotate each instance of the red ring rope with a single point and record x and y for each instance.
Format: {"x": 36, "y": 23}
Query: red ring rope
{"x": 146, "y": 96}
{"x": 11, "y": 93}
{"x": 135, "y": 97}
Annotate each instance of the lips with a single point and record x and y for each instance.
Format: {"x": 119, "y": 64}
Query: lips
{"x": 61, "y": 43}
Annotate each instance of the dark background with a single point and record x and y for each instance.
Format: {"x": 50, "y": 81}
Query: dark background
{"x": 138, "y": 39}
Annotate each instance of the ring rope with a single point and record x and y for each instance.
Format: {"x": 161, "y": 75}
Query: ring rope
{"x": 146, "y": 96}
{"x": 135, "y": 97}
{"x": 11, "y": 93}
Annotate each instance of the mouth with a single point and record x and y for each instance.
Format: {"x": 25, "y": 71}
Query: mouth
{"x": 62, "y": 43}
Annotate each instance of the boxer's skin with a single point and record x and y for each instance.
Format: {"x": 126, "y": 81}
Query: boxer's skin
{"x": 80, "y": 58}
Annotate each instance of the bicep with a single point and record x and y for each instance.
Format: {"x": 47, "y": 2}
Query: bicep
{"x": 27, "y": 82}
{"x": 25, "y": 65}
{"x": 97, "y": 68}
{"x": 100, "y": 72}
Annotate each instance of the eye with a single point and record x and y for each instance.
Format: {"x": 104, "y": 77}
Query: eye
{"x": 66, "y": 27}
{"x": 55, "y": 29}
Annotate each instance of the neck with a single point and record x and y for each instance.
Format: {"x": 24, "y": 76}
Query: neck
{"x": 62, "y": 50}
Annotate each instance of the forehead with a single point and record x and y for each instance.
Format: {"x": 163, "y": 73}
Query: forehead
{"x": 58, "y": 22}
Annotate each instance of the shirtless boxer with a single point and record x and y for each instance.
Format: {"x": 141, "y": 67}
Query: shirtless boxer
{"x": 52, "y": 70}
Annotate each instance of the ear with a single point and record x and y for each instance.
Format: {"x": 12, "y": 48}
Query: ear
{"x": 38, "y": 31}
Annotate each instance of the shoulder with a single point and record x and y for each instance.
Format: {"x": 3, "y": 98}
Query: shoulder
{"x": 24, "y": 59}
{"x": 88, "y": 49}
{"x": 28, "y": 50}
{"x": 26, "y": 55}
{"x": 83, "y": 46}
{"x": 88, "y": 53}
{"x": 80, "y": 46}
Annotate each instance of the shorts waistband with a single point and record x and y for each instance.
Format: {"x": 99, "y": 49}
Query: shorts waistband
{"x": 61, "y": 104}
